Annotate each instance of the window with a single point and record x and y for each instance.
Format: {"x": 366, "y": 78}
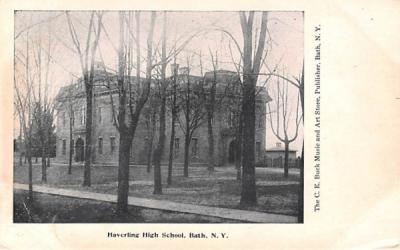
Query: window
{"x": 176, "y": 147}
{"x": 112, "y": 115}
{"x": 176, "y": 125}
{"x": 260, "y": 122}
{"x": 72, "y": 118}
{"x": 132, "y": 150}
{"x": 194, "y": 146}
{"x": 146, "y": 144}
{"x": 83, "y": 116}
{"x": 100, "y": 147}
{"x": 112, "y": 144}
{"x": 63, "y": 119}
{"x": 231, "y": 119}
{"x": 99, "y": 114}
{"x": 258, "y": 149}
{"x": 64, "y": 146}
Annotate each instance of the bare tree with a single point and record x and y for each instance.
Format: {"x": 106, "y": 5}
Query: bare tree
{"x": 251, "y": 69}
{"x": 132, "y": 98}
{"x": 43, "y": 109}
{"x": 24, "y": 107}
{"x": 174, "y": 111}
{"x": 150, "y": 121}
{"x": 128, "y": 100}
{"x": 283, "y": 119}
{"x": 298, "y": 82}
{"x": 163, "y": 95}
{"x": 192, "y": 109}
{"x": 210, "y": 110}
{"x": 87, "y": 56}
{"x": 70, "y": 103}
{"x": 216, "y": 96}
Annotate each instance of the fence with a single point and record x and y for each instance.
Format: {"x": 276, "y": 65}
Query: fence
{"x": 278, "y": 162}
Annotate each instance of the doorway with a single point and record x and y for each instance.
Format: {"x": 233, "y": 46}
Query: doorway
{"x": 232, "y": 152}
{"x": 79, "y": 150}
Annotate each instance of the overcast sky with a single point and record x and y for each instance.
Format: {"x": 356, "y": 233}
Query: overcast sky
{"x": 285, "y": 47}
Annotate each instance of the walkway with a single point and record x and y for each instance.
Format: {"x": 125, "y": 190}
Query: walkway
{"x": 226, "y": 213}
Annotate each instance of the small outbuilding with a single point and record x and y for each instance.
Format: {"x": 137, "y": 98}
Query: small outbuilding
{"x": 275, "y": 156}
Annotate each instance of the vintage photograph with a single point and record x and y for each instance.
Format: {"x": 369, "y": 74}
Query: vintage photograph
{"x": 158, "y": 116}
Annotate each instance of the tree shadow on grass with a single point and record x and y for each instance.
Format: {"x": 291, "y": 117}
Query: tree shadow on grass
{"x": 56, "y": 209}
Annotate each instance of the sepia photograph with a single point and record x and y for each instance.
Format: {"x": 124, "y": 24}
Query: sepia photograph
{"x": 137, "y": 116}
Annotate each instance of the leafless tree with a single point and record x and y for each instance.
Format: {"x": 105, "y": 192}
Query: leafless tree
{"x": 87, "y": 55}
{"x": 192, "y": 109}
{"x": 298, "y": 82}
{"x": 173, "y": 106}
{"x": 251, "y": 69}
{"x": 70, "y": 102}
{"x": 24, "y": 105}
{"x": 127, "y": 98}
{"x": 133, "y": 97}
{"x": 252, "y": 56}
{"x": 163, "y": 95}
{"x": 150, "y": 121}
{"x": 209, "y": 101}
{"x": 283, "y": 120}
{"x": 44, "y": 108}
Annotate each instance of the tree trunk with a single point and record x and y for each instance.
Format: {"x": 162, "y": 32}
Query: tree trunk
{"x": 186, "y": 156}
{"x": 161, "y": 141}
{"x": 125, "y": 143}
{"x": 286, "y": 163}
{"x": 20, "y": 146}
{"x": 71, "y": 146}
{"x": 151, "y": 141}
{"x": 210, "y": 114}
{"x": 301, "y": 189}
{"x": 238, "y": 158}
{"x": 171, "y": 148}
{"x": 44, "y": 175}
{"x": 20, "y": 158}
{"x": 28, "y": 147}
{"x": 48, "y": 161}
{"x": 160, "y": 148}
{"x": 173, "y": 120}
{"x": 210, "y": 142}
{"x": 88, "y": 135}
{"x": 150, "y": 153}
{"x": 251, "y": 69}
{"x": 248, "y": 194}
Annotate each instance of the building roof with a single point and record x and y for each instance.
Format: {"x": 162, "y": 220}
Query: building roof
{"x": 105, "y": 82}
{"x": 278, "y": 148}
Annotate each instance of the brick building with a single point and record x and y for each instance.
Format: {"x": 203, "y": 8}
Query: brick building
{"x": 71, "y": 103}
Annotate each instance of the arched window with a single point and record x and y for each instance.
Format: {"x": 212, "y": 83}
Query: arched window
{"x": 83, "y": 115}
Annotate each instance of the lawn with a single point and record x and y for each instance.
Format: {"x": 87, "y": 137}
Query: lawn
{"x": 59, "y": 209}
{"x": 275, "y": 194}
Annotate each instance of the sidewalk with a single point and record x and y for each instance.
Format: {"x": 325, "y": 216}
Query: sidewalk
{"x": 226, "y": 213}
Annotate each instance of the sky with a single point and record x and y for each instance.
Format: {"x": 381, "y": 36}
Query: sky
{"x": 285, "y": 45}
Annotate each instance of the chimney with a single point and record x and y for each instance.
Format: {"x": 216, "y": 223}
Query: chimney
{"x": 184, "y": 71}
{"x": 174, "y": 68}
{"x": 278, "y": 144}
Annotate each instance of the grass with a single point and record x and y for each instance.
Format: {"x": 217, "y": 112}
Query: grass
{"x": 275, "y": 193}
{"x": 58, "y": 209}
